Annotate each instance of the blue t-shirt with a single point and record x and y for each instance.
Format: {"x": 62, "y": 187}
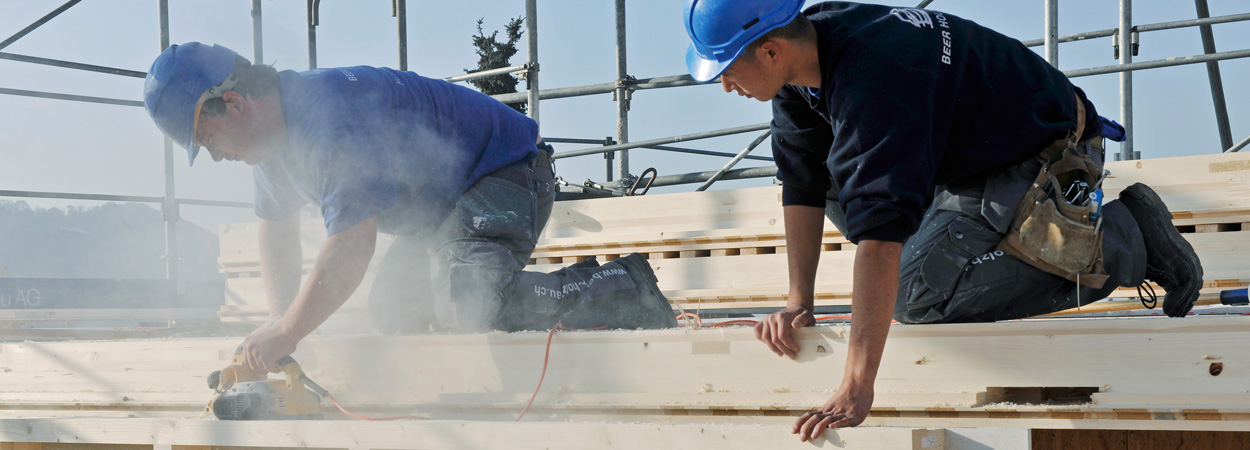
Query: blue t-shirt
{"x": 910, "y": 100}
{"x": 367, "y": 141}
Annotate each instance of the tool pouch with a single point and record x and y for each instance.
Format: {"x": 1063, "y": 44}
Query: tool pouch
{"x": 1053, "y": 235}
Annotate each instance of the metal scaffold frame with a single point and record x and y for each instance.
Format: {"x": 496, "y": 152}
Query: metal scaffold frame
{"x": 619, "y": 180}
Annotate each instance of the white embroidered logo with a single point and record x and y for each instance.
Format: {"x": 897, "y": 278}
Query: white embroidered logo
{"x": 917, "y": 17}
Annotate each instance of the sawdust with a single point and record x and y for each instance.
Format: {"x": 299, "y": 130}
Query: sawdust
{"x": 1001, "y": 406}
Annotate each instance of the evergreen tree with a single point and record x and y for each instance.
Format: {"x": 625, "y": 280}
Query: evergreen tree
{"x": 494, "y": 54}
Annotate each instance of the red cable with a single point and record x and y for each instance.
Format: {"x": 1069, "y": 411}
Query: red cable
{"x": 698, "y": 321}
{"x": 732, "y": 322}
{"x": 546, "y": 358}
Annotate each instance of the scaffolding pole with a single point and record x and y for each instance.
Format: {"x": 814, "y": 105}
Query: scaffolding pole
{"x": 1213, "y": 75}
{"x": 169, "y": 207}
{"x": 622, "y": 94}
{"x": 700, "y": 177}
{"x": 662, "y": 141}
{"x": 399, "y": 9}
{"x": 730, "y": 165}
{"x": 1125, "y": 43}
{"x": 1052, "y": 32}
{"x": 313, "y": 20}
{"x": 258, "y": 34}
{"x": 38, "y": 23}
{"x": 531, "y": 60}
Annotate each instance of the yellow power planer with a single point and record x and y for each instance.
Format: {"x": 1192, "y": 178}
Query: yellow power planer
{"x": 244, "y": 394}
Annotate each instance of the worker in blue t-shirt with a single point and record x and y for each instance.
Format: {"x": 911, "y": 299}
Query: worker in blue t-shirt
{"x": 960, "y": 163}
{"x": 462, "y": 180}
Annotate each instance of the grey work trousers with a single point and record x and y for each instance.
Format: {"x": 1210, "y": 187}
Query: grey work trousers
{"x": 466, "y": 276}
{"x": 951, "y": 272}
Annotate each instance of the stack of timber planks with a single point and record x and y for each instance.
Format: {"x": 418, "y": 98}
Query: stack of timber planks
{"x": 1148, "y": 375}
{"x": 725, "y": 250}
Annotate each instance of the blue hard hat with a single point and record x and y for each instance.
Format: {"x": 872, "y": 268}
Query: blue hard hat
{"x": 175, "y": 84}
{"x": 720, "y": 29}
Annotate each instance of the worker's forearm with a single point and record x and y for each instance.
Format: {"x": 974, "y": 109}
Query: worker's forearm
{"x": 804, "y": 230}
{"x": 281, "y": 262}
{"x": 340, "y": 266}
{"x": 872, "y": 303}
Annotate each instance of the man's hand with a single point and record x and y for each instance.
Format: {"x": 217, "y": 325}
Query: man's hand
{"x": 848, "y": 408}
{"x": 777, "y": 329}
{"x": 263, "y": 348}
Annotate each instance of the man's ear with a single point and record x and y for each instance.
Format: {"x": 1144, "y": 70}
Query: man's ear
{"x": 235, "y": 103}
{"x": 770, "y": 51}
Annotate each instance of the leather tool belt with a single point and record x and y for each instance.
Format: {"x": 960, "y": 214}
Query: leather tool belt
{"x": 1047, "y": 231}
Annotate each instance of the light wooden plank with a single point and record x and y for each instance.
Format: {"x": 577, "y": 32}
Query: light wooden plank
{"x": 951, "y": 358}
{"x": 1189, "y": 183}
{"x": 451, "y": 435}
{"x": 764, "y": 278}
{"x": 686, "y": 375}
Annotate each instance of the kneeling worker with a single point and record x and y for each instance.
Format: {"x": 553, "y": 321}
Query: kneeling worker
{"x": 958, "y": 160}
{"x": 463, "y": 180}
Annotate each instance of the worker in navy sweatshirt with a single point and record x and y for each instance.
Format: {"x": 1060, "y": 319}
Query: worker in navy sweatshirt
{"x": 463, "y": 181}
{"x": 920, "y": 135}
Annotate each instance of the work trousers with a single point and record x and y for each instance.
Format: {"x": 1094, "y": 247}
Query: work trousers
{"x": 466, "y": 276}
{"x": 950, "y": 270}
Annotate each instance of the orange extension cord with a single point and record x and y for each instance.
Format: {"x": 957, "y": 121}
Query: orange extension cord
{"x": 546, "y": 358}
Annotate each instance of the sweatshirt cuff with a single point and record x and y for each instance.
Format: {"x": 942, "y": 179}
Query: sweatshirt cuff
{"x": 791, "y": 195}
{"x": 895, "y": 231}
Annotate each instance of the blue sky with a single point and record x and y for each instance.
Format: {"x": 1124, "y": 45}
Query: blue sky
{"x": 51, "y": 145}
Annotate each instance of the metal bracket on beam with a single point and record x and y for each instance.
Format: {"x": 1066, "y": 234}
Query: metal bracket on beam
{"x": 525, "y": 74}
{"x": 1134, "y": 39}
{"x": 625, "y": 86}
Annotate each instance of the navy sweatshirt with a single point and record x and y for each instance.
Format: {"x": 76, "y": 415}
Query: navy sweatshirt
{"x": 910, "y": 100}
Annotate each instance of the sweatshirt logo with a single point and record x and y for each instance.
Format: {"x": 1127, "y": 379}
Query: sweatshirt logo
{"x": 919, "y": 18}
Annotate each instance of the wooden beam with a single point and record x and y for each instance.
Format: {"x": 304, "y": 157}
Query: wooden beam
{"x": 1163, "y": 367}
{"x": 436, "y": 435}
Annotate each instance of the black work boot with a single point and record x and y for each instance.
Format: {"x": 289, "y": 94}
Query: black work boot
{"x": 654, "y": 311}
{"x": 1170, "y": 260}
